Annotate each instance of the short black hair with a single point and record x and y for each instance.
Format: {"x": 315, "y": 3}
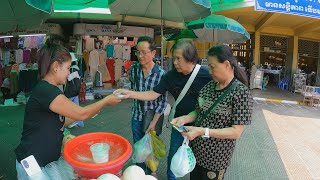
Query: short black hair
{"x": 149, "y": 40}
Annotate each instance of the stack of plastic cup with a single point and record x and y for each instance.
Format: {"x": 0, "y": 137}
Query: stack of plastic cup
{"x": 100, "y": 152}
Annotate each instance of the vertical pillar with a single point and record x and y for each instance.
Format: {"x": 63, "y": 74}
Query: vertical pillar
{"x": 318, "y": 70}
{"x": 256, "y": 48}
{"x": 295, "y": 56}
{"x": 292, "y": 56}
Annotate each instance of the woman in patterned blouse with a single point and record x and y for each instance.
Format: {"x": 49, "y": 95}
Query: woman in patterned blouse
{"x": 218, "y": 125}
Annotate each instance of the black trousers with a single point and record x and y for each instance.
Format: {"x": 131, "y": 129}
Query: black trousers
{"x": 200, "y": 173}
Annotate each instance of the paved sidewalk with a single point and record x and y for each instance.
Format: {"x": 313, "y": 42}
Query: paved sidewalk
{"x": 273, "y": 92}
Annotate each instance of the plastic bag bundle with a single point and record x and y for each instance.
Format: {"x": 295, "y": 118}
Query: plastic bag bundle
{"x": 66, "y": 168}
{"x": 142, "y": 149}
{"x": 152, "y": 163}
{"x": 183, "y": 161}
{"x": 58, "y": 170}
{"x": 158, "y": 146}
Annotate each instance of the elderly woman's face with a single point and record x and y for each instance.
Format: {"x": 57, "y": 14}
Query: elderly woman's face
{"x": 179, "y": 61}
{"x": 217, "y": 70}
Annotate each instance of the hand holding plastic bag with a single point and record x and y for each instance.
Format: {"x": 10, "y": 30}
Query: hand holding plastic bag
{"x": 183, "y": 161}
{"x": 142, "y": 149}
{"x": 158, "y": 146}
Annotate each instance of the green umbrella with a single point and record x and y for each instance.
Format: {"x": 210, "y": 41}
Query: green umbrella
{"x": 20, "y": 14}
{"x": 205, "y": 3}
{"x": 42, "y": 5}
{"x": 216, "y": 3}
{"x": 220, "y": 29}
{"x": 68, "y": 5}
{"x": 74, "y": 5}
{"x": 172, "y": 10}
{"x": 184, "y": 33}
{"x": 78, "y": 9}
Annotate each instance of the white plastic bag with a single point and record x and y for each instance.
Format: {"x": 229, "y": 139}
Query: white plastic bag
{"x": 183, "y": 161}
{"x": 142, "y": 149}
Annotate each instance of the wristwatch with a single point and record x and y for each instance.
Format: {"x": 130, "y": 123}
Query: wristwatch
{"x": 206, "y": 133}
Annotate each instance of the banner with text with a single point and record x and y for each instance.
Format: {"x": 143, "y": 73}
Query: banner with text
{"x": 111, "y": 30}
{"x": 309, "y": 8}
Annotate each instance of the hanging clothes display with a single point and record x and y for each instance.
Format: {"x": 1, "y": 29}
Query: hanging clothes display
{"x": 93, "y": 63}
{"x": 41, "y": 40}
{"x": 86, "y": 55}
{"x": 110, "y": 65}
{"x": 117, "y": 51}
{"x": 89, "y": 43}
{"x": 34, "y": 52}
{"x": 26, "y": 56}
{"x": 126, "y": 51}
{"x": 103, "y": 67}
{"x": 78, "y": 50}
{"x": 6, "y": 57}
{"x": 19, "y": 56}
{"x": 27, "y": 42}
{"x": 118, "y": 69}
{"x": 110, "y": 50}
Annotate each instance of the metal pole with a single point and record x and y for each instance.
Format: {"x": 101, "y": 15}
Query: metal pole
{"x": 162, "y": 53}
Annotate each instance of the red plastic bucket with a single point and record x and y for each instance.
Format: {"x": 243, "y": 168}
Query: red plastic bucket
{"x": 77, "y": 153}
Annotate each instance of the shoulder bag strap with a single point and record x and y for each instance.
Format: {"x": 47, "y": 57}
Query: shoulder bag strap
{"x": 184, "y": 91}
{"x": 225, "y": 93}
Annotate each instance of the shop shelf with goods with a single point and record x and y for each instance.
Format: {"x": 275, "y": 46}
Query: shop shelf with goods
{"x": 308, "y": 56}
{"x": 244, "y": 52}
{"x": 273, "y": 50}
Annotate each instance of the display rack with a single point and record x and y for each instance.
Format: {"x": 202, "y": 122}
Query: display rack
{"x": 299, "y": 80}
{"x": 258, "y": 79}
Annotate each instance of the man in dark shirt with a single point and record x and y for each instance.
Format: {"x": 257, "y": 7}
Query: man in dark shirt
{"x": 185, "y": 58}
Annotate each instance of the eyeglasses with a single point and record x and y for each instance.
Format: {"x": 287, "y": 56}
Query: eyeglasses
{"x": 141, "y": 53}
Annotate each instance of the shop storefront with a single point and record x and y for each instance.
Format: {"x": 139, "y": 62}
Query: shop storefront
{"x": 18, "y": 50}
{"x": 106, "y": 51}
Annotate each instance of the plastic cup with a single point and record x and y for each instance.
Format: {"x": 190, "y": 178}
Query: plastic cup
{"x": 100, "y": 152}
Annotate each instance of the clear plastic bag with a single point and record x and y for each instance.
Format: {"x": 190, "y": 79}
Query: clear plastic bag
{"x": 183, "y": 161}
{"x": 152, "y": 162}
{"x": 59, "y": 170}
{"x": 158, "y": 146}
{"x": 142, "y": 149}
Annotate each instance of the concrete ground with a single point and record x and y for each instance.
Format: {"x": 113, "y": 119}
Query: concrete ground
{"x": 281, "y": 143}
{"x": 273, "y": 92}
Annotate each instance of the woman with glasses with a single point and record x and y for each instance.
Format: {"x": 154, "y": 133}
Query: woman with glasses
{"x": 48, "y": 110}
{"x": 185, "y": 58}
{"x": 224, "y": 107}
